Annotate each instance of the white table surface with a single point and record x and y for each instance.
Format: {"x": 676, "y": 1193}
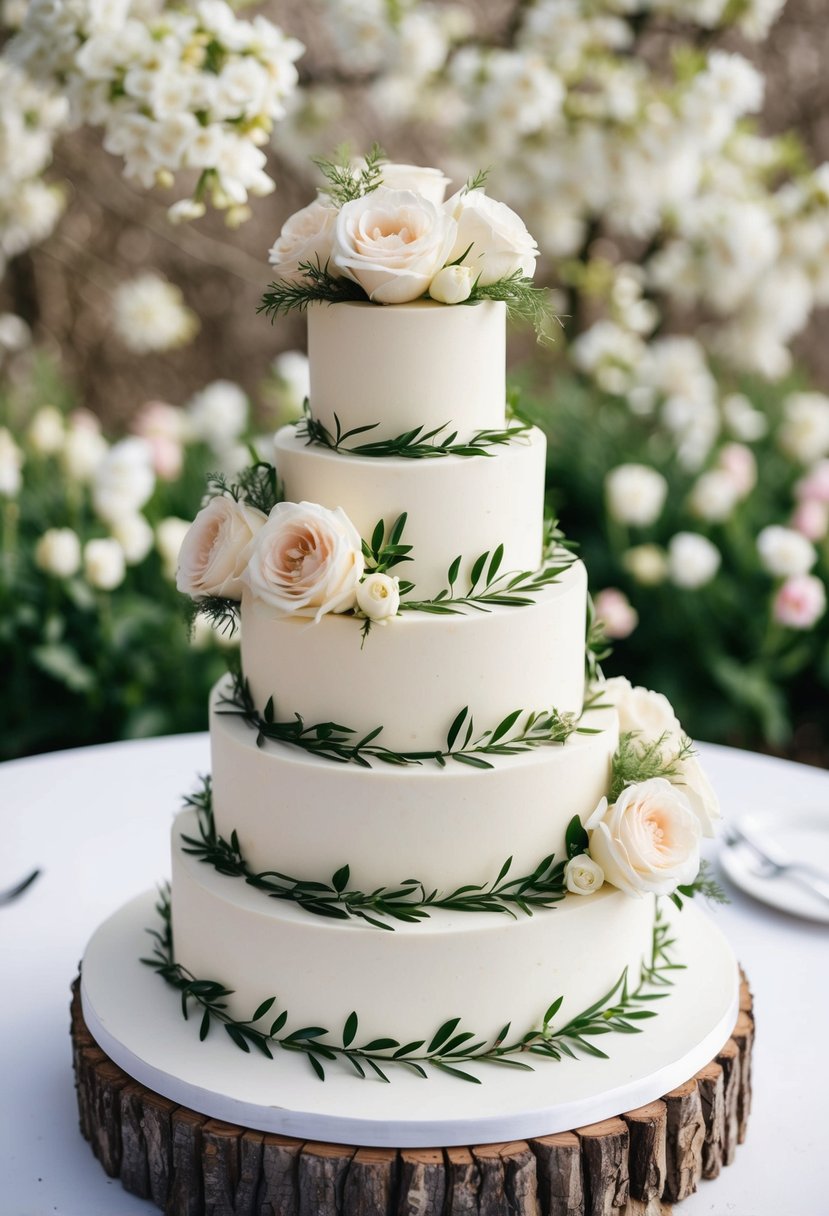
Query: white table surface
{"x": 96, "y": 819}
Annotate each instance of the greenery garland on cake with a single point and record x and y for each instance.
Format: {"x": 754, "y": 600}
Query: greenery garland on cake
{"x": 246, "y": 536}
{"x": 466, "y": 250}
{"x": 520, "y": 731}
{"x": 620, "y": 1010}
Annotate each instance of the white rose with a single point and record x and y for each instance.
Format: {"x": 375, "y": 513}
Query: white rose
{"x": 378, "y": 597}
{"x": 499, "y": 240}
{"x": 46, "y": 431}
{"x": 429, "y": 183}
{"x": 452, "y": 284}
{"x": 135, "y": 536}
{"x": 785, "y": 553}
{"x": 392, "y": 242}
{"x": 692, "y": 560}
{"x": 215, "y": 551}
{"x": 169, "y": 537}
{"x": 306, "y": 560}
{"x": 583, "y": 875}
{"x": 104, "y": 564}
{"x": 58, "y": 552}
{"x": 648, "y": 840}
{"x": 699, "y": 791}
{"x": 635, "y": 494}
{"x": 648, "y": 713}
{"x": 306, "y": 236}
{"x": 11, "y": 463}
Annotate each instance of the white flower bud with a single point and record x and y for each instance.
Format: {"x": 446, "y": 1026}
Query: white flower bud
{"x": 46, "y": 431}
{"x": 104, "y": 564}
{"x": 169, "y": 537}
{"x": 692, "y": 560}
{"x": 452, "y": 285}
{"x": 83, "y": 450}
{"x": 135, "y": 536}
{"x": 635, "y": 494}
{"x": 647, "y": 564}
{"x": 583, "y": 875}
{"x": 785, "y": 553}
{"x": 58, "y": 552}
{"x": 11, "y": 463}
{"x": 378, "y": 597}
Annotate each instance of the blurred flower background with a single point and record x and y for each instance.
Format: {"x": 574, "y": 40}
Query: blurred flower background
{"x": 670, "y": 156}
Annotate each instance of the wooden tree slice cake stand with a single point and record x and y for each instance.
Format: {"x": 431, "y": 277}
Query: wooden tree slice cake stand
{"x": 637, "y": 1164}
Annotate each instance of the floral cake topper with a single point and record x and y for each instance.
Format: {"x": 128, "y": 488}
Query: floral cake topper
{"x": 382, "y": 232}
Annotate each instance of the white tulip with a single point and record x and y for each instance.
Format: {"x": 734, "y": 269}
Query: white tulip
{"x": 648, "y": 564}
{"x": 58, "y": 552}
{"x": 692, "y": 560}
{"x": 804, "y": 434}
{"x": 11, "y": 465}
{"x": 218, "y": 414}
{"x": 135, "y": 536}
{"x": 104, "y": 564}
{"x": 169, "y": 537}
{"x": 785, "y": 553}
{"x": 124, "y": 480}
{"x": 83, "y": 451}
{"x": 635, "y": 494}
{"x": 47, "y": 431}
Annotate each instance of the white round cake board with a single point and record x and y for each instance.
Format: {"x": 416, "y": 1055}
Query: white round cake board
{"x": 136, "y": 1019}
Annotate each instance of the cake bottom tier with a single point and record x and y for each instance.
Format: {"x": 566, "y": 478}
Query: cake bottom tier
{"x": 485, "y": 969}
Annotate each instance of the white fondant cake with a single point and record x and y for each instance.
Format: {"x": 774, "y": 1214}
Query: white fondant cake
{"x": 423, "y": 819}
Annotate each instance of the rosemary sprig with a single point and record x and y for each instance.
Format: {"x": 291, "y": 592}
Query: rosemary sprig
{"x": 257, "y": 485}
{"x": 637, "y": 760}
{"x": 345, "y": 181}
{"x": 416, "y": 444}
{"x": 317, "y": 286}
{"x": 409, "y": 902}
{"x": 524, "y": 300}
{"x": 704, "y": 884}
{"x": 619, "y": 1010}
{"x": 464, "y": 745}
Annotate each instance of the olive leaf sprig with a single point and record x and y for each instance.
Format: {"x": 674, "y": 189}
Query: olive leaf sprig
{"x": 409, "y": 902}
{"x": 415, "y": 444}
{"x": 619, "y": 1010}
{"x": 520, "y": 731}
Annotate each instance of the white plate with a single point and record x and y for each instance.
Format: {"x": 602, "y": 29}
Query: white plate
{"x": 796, "y": 835}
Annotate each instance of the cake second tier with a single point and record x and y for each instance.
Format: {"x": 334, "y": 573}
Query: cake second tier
{"x": 414, "y": 674}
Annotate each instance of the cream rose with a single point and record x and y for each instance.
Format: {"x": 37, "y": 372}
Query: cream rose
{"x": 306, "y": 560}
{"x": 648, "y": 713}
{"x": 651, "y": 716}
{"x": 378, "y": 596}
{"x": 306, "y": 236}
{"x": 648, "y": 840}
{"x": 215, "y": 549}
{"x": 430, "y": 183}
{"x": 392, "y": 242}
{"x": 452, "y": 284}
{"x": 583, "y": 875}
{"x": 499, "y": 240}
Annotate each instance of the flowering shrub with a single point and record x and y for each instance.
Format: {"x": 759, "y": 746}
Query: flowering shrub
{"x": 711, "y": 580}
{"x": 93, "y": 638}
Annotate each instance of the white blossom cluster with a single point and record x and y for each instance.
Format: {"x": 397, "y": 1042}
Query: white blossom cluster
{"x": 150, "y": 315}
{"x": 31, "y": 115}
{"x": 175, "y": 88}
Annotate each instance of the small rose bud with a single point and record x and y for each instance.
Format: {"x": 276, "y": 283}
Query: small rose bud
{"x": 452, "y": 285}
{"x": 583, "y": 875}
{"x": 378, "y": 597}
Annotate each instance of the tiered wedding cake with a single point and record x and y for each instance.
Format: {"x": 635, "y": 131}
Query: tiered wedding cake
{"x": 434, "y": 840}
{"x": 426, "y": 837}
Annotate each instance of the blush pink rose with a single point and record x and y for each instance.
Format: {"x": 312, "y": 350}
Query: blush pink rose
{"x": 648, "y": 841}
{"x": 215, "y": 550}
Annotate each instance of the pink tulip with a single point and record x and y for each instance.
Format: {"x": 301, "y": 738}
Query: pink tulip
{"x": 800, "y": 602}
{"x": 616, "y": 613}
{"x": 811, "y": 518}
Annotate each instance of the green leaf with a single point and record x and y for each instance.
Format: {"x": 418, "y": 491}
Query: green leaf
{"x": 377, "y": 536}
{"x": 505, "y": 726}
{"x": 264, "y": 1008}
{"x": 307, "y": 1032}
{"x": 237, "y": 1036}
{"x": 495, "y": 564}
{"x": 205, "y": 1026}
{"x": 442, "y": 1034}
{"x": 380, "y": 1045}
{"x": 279, "y": 1023}
{"x": 350, "y": 1029}
{"x": 316, "y": 1065}
{"x": 455, "y": 728}
{"x": 454, "y": 570}
{"x": 340, "y": 880}
{"x": 553, "y": 1010}
{"x": 477, "y": 570}
{"x": 576, "y": 839}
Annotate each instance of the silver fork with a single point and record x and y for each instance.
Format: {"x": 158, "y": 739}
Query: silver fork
{"x": 774, "y": 865}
